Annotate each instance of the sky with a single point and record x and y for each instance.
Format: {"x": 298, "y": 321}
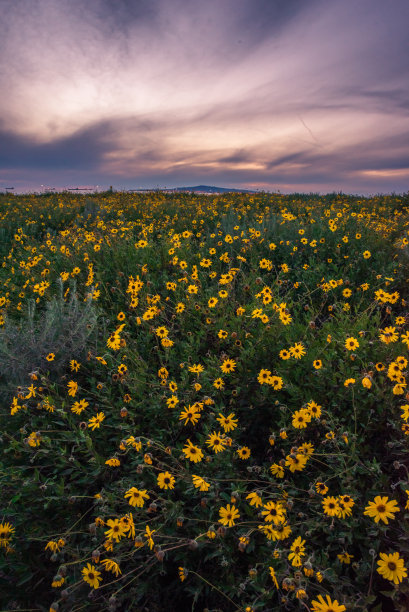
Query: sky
{"x": 276, "y": 95}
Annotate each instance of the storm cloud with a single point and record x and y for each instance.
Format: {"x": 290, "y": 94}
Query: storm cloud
{"x": 268, "y": 94}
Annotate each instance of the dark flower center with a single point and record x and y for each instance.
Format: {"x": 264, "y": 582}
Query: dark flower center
{"x": 381, "y": 508}
{"x": 392, "y": 566}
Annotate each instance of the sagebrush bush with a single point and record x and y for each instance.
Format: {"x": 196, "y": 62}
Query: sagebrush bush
{"x": 63, "y": 327}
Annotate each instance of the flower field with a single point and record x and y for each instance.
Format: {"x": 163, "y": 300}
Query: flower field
{"x": 204, "y": 402}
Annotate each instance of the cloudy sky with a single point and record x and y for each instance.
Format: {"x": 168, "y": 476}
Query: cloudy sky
{"x": 290, "y": 95}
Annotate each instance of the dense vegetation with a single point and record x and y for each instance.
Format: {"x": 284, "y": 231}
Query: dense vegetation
{"x": 204, "y": 402}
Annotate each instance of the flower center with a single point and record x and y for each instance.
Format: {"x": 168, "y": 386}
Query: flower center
{"x": 381, "y": 508}
{"x": 392, "y": 566}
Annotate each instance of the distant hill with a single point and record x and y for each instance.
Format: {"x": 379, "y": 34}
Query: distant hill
{"x": 211, "y": 189}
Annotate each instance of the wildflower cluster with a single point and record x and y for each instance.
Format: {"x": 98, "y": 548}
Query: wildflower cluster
{"x": 235, "y": 431}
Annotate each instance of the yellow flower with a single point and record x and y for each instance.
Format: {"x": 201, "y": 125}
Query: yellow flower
{"x": 298, "y": 350}
{"x": 381, "y": 509}
{"x": 328, "y": 606}
{"x": 273, "y": 576}
{"x": 244, "y": 452}
{"x": 192, "y": 452}
{"x": 166, "y": 480}
{"x": 277, "y": 470}
{"x": 200, "y": 483}
{"x": 190, "y": 415}
{"x": 254, "y": 499}
{"x": 95, "y": 422}
{"x": 50, "y": 357}
{"x": 216, "y": 441}
{"x": 229, "y": 423}
{"x": 274, "y": 512}
{"x": 297, "y": 551}
{"x": 111, "y": 566}
{"x": 228, "y": 366}
{"x": 331, "y": 506}
{"x": 72, "y": 388}
{"x": 301, "y": 418}
{"x": 228, "y": 515}
{"x": 388, "y": 335}
{"x": 366, "y": 382}
{"x": 91, "y": 575}
{"x": 113, "y": 462}
{"x": 116, "y": 530}
{"x": 136, "y": 497}
{"x": 351, "y": 343}
{"x": 345, "y": 558}
{"x": 392, "y": 567}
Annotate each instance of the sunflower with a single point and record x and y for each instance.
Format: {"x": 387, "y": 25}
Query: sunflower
{"x": 244, "y": 452}
{"x": 314, "y": 409}
{"x": 227, "y": 422}
{"x": 218, "y": 383}
{"x": 216, "y": 441}
{"x": 79, "y": 406}
{"x": 172, "y": 401}
{"x": 276, "y": 382}
{"x": 95, "y": 422}
{"x": 228, "y": 366}
{"x": 274, "y": 512}
{"x": 264, "y": 376}
{"x": 116, "y": 531}
{"x": 331, "y": 506}
{"x": 351, "y": 343}
{"x": 296, "y": 462}
{"x": 381, "y": 509}
{"x": 284, "y": 354}
{"x": 110, "y": 565}
{"x": 91, "y": 575}
{"x": 301, "y": 418}
{"x": 222, "y": 334}
{"x": 392, "y": 567}
{"x": 166, "y": 480}
{"x": 192, "y": 452}
{"x": 161, "y": 332}
{"x": 277, "y": 470}
{"x": 200, "y": 483}
{"x": 136, "y": 497}
{"x": 388, "y": 335}
{"x": 345, "y": 558}
{"x": 328, "y": 606}
{"x": 72, "y": 388}
{"x": 113, "y": 462}
{"x": 297, "y": 551}
{"x": 6, "y": 532}
{"x": 190, "y": 414}
{"x": 298, "y": 350}
{"x": 228, "y": 515}
{"x": 254, "y": 499}
{"x": 306, "y": 449}
{"x": 273, "y": 577}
